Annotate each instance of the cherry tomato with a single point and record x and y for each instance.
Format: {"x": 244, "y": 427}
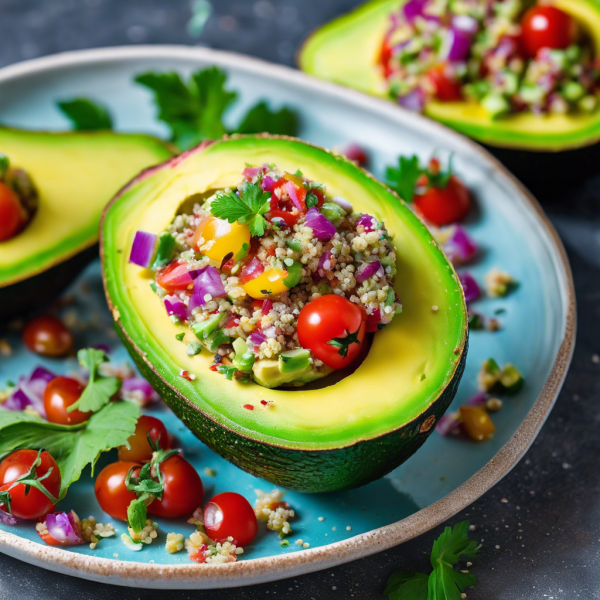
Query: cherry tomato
{"x": 175, "y": 278}
{"x": 47, "y": 336}
{"x": 183, "y": 490}
{"x": 546, "y": 26}
{"x": 230, "y": 514}
{"x": 446, "y": 87}
{"x": 443, "y": 206}
{"x": 111, "y": 493}
{"x": 227, "y": 237}
{"x": 139, "y": 449}
{"x": 11, "y": 213}
{"x": 332, "y": 318}
{"x": 59, "y": 394}
{"x": 29, "y": 502}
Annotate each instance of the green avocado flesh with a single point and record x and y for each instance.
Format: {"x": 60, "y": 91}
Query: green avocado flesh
{"x": 334, "y": 437}
{"x": 75, "y": 174}
{"x": 347, "y": 51}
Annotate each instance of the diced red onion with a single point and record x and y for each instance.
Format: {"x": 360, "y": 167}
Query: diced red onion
{"x": 64, "y": 528}
{"x": 465, "y": 23}
{"x": 449, "y": 423}
{"x": 367, "y": 270}
{"x": 460, "y": 247}
{"x": 323, "y": 228}
{"x": 270, "y": 332}
{"x": 292, "y": 191}
{"x": 267, "y": 184}
{"x": 251, "y": 271}
{"x": 324, "y": 263}
{"x": 368, "y": 222}
{"x": 139, "y": 384}
{"x": 7, "y": 518}
{"x": 342, "y": 203}
{"x": 470, "y": 286}
{"x": 142, "y": 249}
{"x": 256, "y": 338}
{"x": 414, "y": 100}
{"x": 207, "y": 281}
{"x": 176, "y": 307}
{"x": 456, "y": 45}
{"x": 30, "y": 391}
{"x": 42, "y": 374}
{"x": 413, "y": 9}
{"x": 477, "y": 399}
{"x": 250, "y": 173}
{"x": 267, "y": 305}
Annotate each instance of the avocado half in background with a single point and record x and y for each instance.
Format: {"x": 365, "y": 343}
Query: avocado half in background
{"x": 345, "y": 433}
{"x": 538, "y": 149}
{"x": 75, "y": 174}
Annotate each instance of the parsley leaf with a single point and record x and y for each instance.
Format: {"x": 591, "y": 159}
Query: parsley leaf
{"x": 407, "y": 585}
{"x": 404, "y": 178}
{"x": 227, "y": 371}
{"x": 194, "y": 109}
{"x": 73, "y": 447}
{"x": 99, "y": 390}
{"x": 86, "y": 115}
{"x": 260, "y": 118}
{"x": 444, "y": 582}
{"x": 245, "y": 208}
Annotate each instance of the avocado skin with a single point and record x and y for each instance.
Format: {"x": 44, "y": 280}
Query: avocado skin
{"x": 312, "y": 471}
{"x": 24, "y": 296}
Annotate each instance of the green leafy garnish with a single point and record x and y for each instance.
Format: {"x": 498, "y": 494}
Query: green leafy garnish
{"x": 73, "y": 447}
{"x": 403, "y": 179}
{"x": 99, "y": 390}
{"x": 344, "y": 343}
{"x": 227, "y": 371}
{"x": 194, "y": 109}
{"x": 444, "y": 582}
{"x": 246, "y": 208}
{"x": 86, "y": 115}
{"x": 260, "y": 118}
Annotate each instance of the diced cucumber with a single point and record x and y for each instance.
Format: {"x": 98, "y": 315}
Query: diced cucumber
{"x": 294, "y": 360}
{"x": 294, "y": 244}
{"x": 294, "y": 274}
{"x": 573, "y": 91}
{"x": 511, "y": 379}
{"x": 204, "y": 329}
{"x": 244, "y": 357}
{"x": 496, "y": 106}
{"x": 510, "y": 82}
{"x": 193, "y": 348}
{"x": 333, "y": 212}
{"x": 217, "y": 339}
{"x": 587, "y": 104}
{"x": 531, "y": 93}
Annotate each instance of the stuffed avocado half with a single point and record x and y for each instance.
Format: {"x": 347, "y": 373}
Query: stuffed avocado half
{"x": 505, "y": 95}
{"x": 335, "y": 433}
{"x": 59, "y": 183}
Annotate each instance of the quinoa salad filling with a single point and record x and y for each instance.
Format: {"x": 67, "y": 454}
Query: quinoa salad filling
{"x": 241, "y": 270}
{"x": 494, "y": 52}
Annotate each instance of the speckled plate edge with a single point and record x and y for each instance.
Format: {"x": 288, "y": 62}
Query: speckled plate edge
{"x": 249, "y": 572}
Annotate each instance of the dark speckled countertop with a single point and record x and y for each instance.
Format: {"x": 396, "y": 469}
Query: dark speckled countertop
{"x": 541, "y": 525}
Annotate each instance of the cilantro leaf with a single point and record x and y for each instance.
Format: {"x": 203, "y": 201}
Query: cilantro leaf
{"x": 407, "y": 585}
{"x": 445, "y": 583}
{"x": 86, "y": 115}
{"x": 260, "y": 118}
{"x": 73, "y": 447}
{"x": 247, "y": 207}
{"x": 404, "y": 178}
{"x": 193, "y": 110}
{"x": 99, "y": 390}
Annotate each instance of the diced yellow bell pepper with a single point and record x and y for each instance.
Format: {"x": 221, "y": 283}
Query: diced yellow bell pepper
{"x": 270, "y": 283}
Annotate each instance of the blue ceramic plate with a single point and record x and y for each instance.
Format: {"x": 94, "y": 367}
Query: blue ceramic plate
{"x": 446, "y": 474}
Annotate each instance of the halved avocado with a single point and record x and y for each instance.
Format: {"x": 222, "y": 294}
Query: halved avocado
{"x": 313, "y": 440}
{"x": 347, "y": 51}
{"x": 75, "y": 174}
